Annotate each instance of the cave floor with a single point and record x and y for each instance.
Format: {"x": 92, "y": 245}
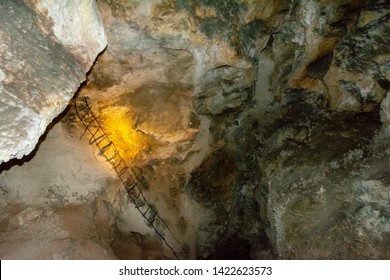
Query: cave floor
{"x": 59, "y": 203}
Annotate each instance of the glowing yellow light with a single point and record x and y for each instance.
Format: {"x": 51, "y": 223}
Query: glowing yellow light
{"x": 118, "y": 125}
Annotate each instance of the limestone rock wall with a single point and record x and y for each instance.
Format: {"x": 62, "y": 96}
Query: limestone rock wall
{"x": 330, "y": 54}
{"x": 259, "y": 82}
{"x": 77, "y": 25}
{"x": 45, "y": 51}
{"x": 259, "y": 129}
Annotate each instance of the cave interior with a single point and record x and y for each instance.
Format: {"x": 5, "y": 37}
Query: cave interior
{"x": 182, "y": 129}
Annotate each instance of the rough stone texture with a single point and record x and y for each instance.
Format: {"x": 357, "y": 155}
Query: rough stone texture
{"x": 357, "y": 78}
{"x": 385, "y": 111}
{"x": 68, "y": 233}
{"x": 314, "y": 41}
{"x": 266, "y": 163}
{"x": 224, "y": 88}
{"x": 328, "y": 188}
{"x": 40, "y": 73}
{"x": 259, "y": 129}
{"x": 68, "y": 210}
{"x": 77, "y": 26}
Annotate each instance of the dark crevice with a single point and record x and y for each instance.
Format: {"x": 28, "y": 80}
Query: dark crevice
{"x": 318, "y": 68}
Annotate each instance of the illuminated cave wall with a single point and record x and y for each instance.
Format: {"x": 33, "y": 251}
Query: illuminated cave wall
{"x": 259, "y": 129}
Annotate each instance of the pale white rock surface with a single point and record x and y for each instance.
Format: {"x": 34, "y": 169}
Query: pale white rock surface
{"x": 78, "y": 26}
{"x": 39, "y": 71}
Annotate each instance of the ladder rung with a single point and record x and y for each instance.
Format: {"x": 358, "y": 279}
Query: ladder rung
{"x": 83, "y": 109}
{"x": 117, "y": 165}
{"x": 92, "y": 130}
{"x": 87, "y": 116}
{"x": 124, "y": 169}
{"x": 90, "y": 119}
{"x": 109, "y": 143}
{"x": 111, "y": 158}
{"x": 140, "y": 205}
{"x": 94, "y": 126}
{"x": 154, "y": 213}
{"x": 97, "y": 138}
{"x": 131, "y": 194}
{"x": 144, "y": 213}
{"x": 120, "y": 170}
{"x": 130, "y": 188}
{"x": 94, "y": 133}
{"x": 92, "y": 123}
{"x": 130, "y": 182}
{"x": 151, "y": 222}
{"x": 129, "y": 185}
{"x": 106, "y": 146}
{"x": 134, "y": 194}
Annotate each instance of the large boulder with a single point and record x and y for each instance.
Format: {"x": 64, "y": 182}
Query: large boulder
{"x": 45, "y": 51}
